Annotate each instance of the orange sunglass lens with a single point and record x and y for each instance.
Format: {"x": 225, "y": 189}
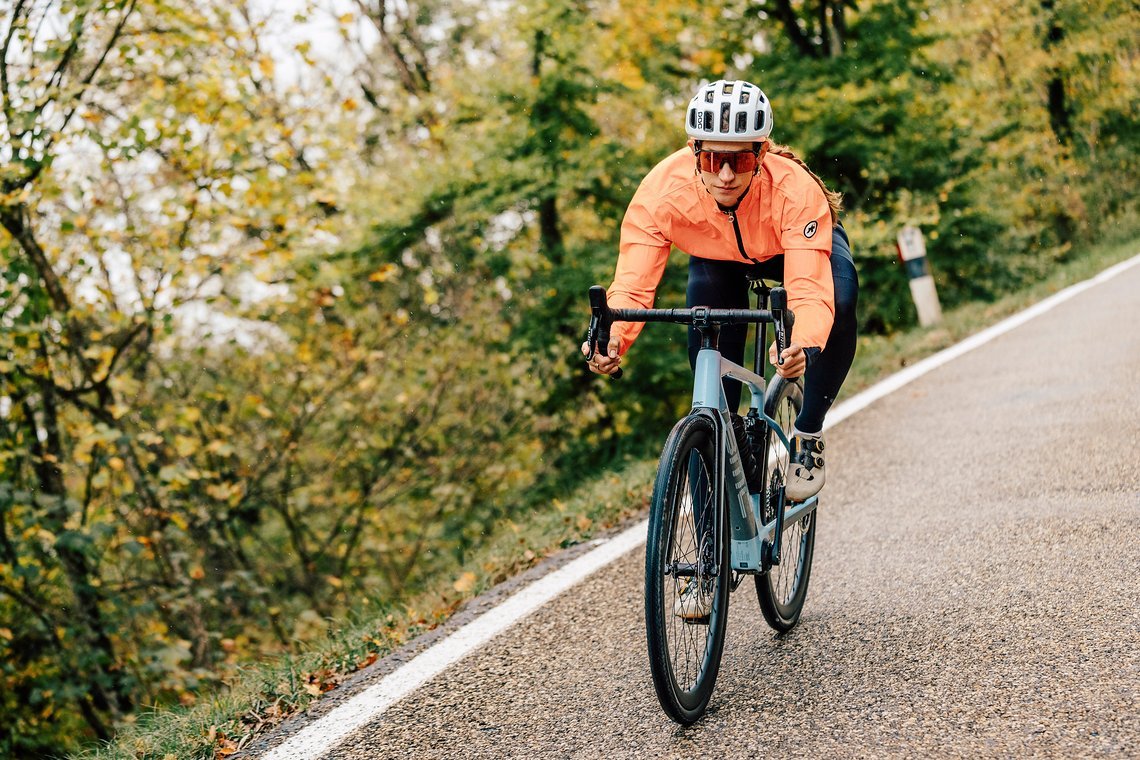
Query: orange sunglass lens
{"x": 738, "y": 161}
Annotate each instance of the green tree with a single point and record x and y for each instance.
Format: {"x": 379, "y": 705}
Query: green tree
{"x": 140, "y": 177}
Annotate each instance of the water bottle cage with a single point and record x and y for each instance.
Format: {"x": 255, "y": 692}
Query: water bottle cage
{"x": 749, "y": 433}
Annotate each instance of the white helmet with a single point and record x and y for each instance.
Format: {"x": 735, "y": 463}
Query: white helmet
{"x": 731, "y": 111}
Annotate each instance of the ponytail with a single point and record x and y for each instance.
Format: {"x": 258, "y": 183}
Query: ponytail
{"x": 834, "y": 199}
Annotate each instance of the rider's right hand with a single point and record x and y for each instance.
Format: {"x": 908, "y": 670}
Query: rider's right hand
{"x": 605, "y": 364}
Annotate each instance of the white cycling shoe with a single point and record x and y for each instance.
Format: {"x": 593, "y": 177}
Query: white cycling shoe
{"x": 693, "y": 603}
{"x": 806, "y": 472}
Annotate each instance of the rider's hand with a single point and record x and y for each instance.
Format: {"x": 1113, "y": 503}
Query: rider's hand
{"x": 602, "y": 364}
{"x": 795, "y": 361}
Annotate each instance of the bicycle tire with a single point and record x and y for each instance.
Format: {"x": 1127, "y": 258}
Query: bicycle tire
{"x": 782, "y": 590}
{"x": 684, "y": 656}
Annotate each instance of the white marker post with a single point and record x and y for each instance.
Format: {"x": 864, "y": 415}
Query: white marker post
{"x": 912, "y": 252}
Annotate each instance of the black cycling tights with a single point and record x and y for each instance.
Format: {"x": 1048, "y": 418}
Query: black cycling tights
{"x": 724, "y": 285}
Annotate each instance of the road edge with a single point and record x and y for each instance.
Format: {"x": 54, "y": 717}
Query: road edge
{"x": 323, "y": 727}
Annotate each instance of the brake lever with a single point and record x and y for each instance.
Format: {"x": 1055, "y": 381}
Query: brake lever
{"x": 779, "y": 301}
{"x": 598, "y": 335}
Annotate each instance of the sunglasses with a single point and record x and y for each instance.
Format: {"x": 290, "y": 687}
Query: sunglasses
{"x": 741, "y": 161}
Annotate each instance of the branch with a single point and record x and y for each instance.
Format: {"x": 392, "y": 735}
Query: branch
{"x": 5, "y": 93}
{"x": 787, "y": 15}
{"x": 407, "y": 78}
{"x": 90, "y": 77}
{"x": 14, "y": 219}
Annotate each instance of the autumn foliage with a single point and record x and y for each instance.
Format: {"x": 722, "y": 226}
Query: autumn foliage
{"x": 282, "y": 330}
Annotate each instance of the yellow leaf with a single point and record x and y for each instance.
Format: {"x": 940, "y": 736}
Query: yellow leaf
{"x": 185, "y": 445}
{"x": 384, "y": 273}
{"x": 116, "y": 464}
{"x": 6, "y": 634}
{"x": 197, "y": 573}
{"x": 465, "y": 583}
{"x": 148, "y": 438}
{"x": 584, "y": 522}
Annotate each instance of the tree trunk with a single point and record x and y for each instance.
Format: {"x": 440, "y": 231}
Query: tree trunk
{"x": 802, "y": 41}
{"x": 1059, "y": 117}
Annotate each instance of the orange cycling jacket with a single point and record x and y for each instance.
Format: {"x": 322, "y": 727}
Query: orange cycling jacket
{"x": 783, "y": 212}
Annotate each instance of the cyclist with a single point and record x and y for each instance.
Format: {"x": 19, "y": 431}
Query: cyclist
{"x": 748, "y": 210}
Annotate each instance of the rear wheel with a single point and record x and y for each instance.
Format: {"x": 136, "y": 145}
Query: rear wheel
{"x": 686, "y": 572}
{"x": 783, "y": 589}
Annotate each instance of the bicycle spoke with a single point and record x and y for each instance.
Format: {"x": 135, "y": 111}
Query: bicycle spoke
{"x": 782, "y": 589}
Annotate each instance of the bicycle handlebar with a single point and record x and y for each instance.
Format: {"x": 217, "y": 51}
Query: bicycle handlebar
{"x": 602, "y": 318}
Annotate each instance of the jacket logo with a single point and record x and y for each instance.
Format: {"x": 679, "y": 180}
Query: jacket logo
{"x": 809, "y": 231}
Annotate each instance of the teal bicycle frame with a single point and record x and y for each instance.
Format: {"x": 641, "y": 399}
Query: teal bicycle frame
{"x": 755, "y": 545}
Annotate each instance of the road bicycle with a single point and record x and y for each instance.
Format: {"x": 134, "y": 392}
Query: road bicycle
{"x": 707, "y": 531}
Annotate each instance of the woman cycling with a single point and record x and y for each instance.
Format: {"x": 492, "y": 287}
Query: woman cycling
{"x": 748, "y": 210}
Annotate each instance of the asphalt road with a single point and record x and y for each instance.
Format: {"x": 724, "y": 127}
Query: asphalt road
{"x": 976, "y": 589}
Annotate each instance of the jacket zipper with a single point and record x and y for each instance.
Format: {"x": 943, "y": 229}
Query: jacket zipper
{"x": 739, "y": 239}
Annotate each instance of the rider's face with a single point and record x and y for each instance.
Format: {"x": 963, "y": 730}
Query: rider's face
{"x": 725, "y": 185}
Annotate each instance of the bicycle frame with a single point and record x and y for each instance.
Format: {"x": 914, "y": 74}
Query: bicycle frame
{"x": 755, "y": 547}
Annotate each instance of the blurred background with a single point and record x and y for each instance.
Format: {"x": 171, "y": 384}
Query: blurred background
{"x": 291, "y": 293}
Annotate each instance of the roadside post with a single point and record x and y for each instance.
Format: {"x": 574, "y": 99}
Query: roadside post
{"x": 912, "y": 253}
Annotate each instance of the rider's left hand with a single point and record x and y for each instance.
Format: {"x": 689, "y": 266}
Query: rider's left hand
{"x": 795, "y": 361}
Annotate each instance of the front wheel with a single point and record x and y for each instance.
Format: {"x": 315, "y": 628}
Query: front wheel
{"x": 783, "y": 589}
{"x": 687, "y": 575}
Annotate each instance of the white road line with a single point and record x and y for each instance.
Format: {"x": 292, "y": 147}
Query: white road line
{"x": 910, "y": 374}
{"x": 328, "y": 731}
{"x": 324, "y": 734}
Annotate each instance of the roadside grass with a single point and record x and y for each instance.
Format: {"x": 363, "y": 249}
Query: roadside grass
{"x": 263, "y": 695}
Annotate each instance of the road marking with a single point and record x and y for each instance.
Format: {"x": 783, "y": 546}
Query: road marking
{"x": 328, "y": 731}
{"x": 324, "y": 734}
{"x": 891, "y": 384}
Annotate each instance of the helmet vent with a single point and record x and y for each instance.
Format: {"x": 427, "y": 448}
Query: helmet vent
{"x": 709, "y": 96}
{"x": 759, "y": 121}
{"x": 744, "y": 95}
{"x": 725, "y": 116}
{"x": 741, "y": 122}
